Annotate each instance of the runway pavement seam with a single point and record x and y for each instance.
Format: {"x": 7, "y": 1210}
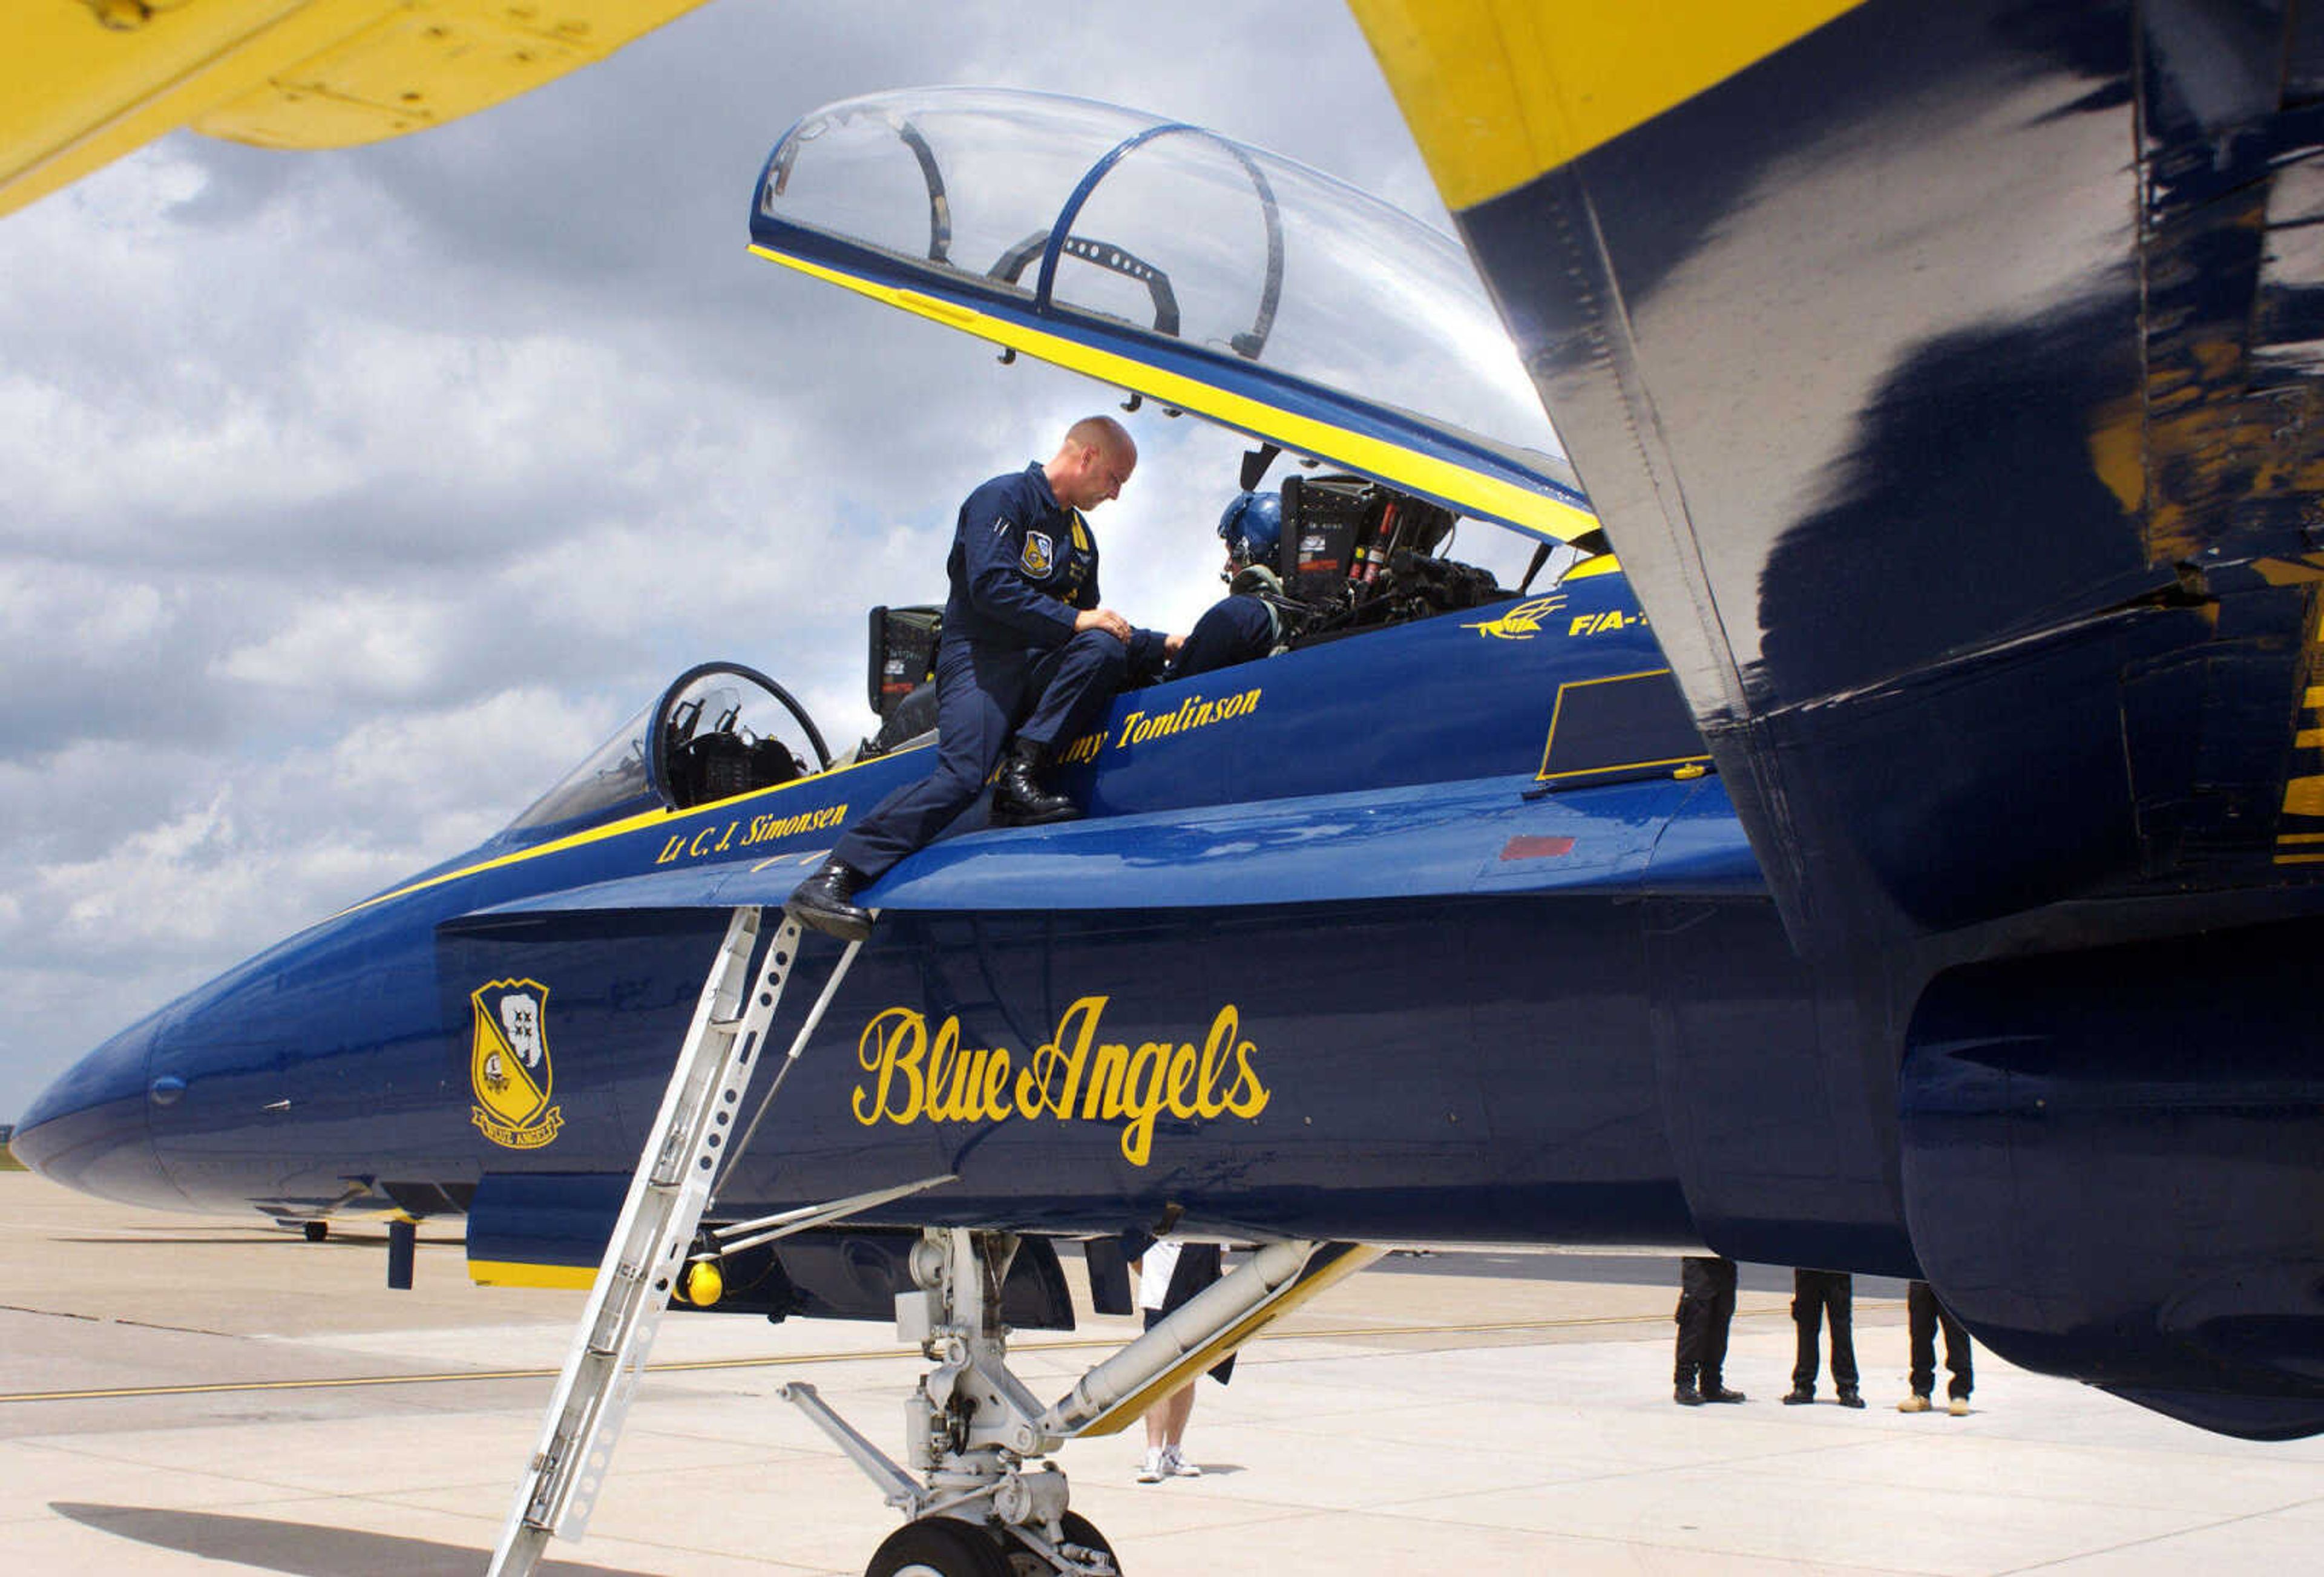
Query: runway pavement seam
{"x": 2155, "y": 1538}
{"x": 782, "y": 1361}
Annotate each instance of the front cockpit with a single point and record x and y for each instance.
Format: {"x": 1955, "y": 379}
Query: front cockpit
{"x": 720, "y": 729}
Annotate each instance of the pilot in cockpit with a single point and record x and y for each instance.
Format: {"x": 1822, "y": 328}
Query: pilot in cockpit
{"x": 1244, "y": 624}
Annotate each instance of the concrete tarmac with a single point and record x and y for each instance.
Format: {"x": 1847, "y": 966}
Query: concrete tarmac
{"x": 183, "y": 1394}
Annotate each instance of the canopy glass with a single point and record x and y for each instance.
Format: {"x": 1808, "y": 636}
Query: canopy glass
{"x": 1164, "y": 258}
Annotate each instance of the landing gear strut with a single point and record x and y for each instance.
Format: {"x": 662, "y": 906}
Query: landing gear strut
{"x": 972, "y": 1482}
{"x": 973, "y": 1433}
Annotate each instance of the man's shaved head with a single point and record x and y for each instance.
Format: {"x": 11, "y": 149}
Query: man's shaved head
{"x": 1105, "y": 433}
{"x": 1093, "y": 463}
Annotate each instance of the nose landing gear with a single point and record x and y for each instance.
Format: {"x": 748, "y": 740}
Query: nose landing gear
{"x": 983, "y": 1504}
{"x": 980, "y": 1505}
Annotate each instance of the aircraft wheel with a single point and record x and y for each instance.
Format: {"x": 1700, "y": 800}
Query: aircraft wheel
{"x": 1078, "y": 1530}
{"x": 316, "y": 1231}
{"x": 938, "y": 1547}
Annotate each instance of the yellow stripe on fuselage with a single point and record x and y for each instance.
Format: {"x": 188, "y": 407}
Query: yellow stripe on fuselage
{"x": 615, "y": 829}
{"x": 1500, "y": 91}
{"x": 1391, "y": 463}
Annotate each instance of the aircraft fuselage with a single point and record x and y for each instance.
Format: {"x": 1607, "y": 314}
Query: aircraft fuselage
{"x": 1331, "y": 958}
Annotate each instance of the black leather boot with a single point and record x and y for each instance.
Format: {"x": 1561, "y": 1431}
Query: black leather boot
{"x": 1684, "y": 1393}
{"x": 826, "y": 902}
{"x": 1018, "y": 797}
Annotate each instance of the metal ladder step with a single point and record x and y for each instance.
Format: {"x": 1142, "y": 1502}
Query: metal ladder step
{"x": 694, "y": 1127}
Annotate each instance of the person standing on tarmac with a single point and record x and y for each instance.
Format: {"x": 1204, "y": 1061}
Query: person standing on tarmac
{"x": 1706, "y": 1306}
{"x": 1170, "y": 1273}
{"x": 1817, "y": 1295}
{"x": 1028, "y": 659}
{"x": 1924, "y": 1314}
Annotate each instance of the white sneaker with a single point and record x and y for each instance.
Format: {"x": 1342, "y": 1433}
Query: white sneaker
{"x": 1176, "y": 1465}
{"x": 1156, "y": 1467}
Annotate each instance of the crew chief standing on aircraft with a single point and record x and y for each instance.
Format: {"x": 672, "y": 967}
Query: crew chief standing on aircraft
{"x": 1028, "y": 659}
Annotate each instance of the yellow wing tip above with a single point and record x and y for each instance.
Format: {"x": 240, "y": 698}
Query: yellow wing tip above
{"x": 1498, "y": 92}
{"x": 83, "y": 83}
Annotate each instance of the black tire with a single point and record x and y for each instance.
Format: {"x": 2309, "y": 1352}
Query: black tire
{"x": 316, "y": 1231}
{"x": 1078, "y": 1530}
{"x": 938, "y": 1547}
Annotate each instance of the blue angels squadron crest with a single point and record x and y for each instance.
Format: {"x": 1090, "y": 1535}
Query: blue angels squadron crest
{"x": 509, "y": 1066}
{"x": 1041, "y": 553}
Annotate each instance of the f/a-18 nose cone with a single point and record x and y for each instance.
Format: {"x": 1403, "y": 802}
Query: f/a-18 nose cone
{"x": 89, "y": 1130}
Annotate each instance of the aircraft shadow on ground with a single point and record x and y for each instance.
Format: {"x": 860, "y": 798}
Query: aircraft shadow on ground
{"x": 306, "y": 1548}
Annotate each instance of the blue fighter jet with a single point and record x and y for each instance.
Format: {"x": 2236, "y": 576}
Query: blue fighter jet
{"x": 1927, "y": 890}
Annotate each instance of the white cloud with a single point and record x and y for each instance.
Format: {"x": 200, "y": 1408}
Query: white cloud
{"x": 55, "y": 612}
{"x": 357, "y": 644}
{"x": 347, "y": 500}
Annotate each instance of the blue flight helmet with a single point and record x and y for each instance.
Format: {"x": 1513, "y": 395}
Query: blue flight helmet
{"x": 1252, "y": 527}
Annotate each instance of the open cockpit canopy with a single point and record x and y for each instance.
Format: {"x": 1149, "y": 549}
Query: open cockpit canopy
{"x": 1169, "y": 260}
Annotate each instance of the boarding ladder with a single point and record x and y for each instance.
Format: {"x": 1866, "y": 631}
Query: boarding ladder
{"x": 648, "y": 1252}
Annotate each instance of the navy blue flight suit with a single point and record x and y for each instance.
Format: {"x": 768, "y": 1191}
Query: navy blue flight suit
{"x": 1009, "y": 662}
{"x": 1232, "y": 630}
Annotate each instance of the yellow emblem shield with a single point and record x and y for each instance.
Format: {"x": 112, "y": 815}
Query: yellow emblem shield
{"x": 509, "y": 1066}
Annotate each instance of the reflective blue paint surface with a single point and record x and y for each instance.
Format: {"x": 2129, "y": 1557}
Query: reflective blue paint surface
{"x": 1434, "y": 967}
{"x": 1947, "y": 380}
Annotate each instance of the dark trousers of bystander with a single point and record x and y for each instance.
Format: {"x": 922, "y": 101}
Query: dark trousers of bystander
{"x": 1818, "y": 1295}
{"x": 1924, "y": 1314}
{"x": 1706, "y": 1305}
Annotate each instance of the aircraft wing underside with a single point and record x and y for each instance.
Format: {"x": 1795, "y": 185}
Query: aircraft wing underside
{"x": 1946, "y": 377}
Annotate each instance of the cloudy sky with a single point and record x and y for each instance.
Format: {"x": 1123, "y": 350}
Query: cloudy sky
{"x": 347, "y": 500}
